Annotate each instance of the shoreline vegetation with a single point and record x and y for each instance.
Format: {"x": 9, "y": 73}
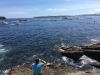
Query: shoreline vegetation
{"x": 60, "y": 69}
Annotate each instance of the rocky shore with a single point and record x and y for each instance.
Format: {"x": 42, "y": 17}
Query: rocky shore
{"x": 75, "y": 53}
{"x": 51, "y": 69}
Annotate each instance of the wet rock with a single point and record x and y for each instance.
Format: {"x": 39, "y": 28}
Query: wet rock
{"x": 92, "y": 47}
{"x": 92, "y": 51}
{"x": 94, "y": 54}
{"x": 75, "y": 53}
{"x": 95, "y": 64}
{"x": 72, "y": 52}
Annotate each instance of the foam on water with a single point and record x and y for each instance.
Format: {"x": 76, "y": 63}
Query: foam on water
{"x": 1, "y": 45}
{"x": 82, "y": 65}
{"x": 68, "y": 61}
{"x": 2, "y": 49}
{"x": 3, "y": 72}
{"x": 95, "y": 40}
{"x": 92, "y": 41}
{"x": 85, "y": 60}
{"x": 62, "y": 45}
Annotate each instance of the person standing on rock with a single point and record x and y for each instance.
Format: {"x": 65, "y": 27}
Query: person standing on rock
{"x": 37, "y": 66}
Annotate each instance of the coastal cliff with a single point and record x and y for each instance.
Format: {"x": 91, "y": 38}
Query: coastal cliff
{"x": 2, "y": 17}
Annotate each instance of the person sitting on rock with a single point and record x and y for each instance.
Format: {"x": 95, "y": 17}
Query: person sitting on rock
{"x": 37, "y": 66}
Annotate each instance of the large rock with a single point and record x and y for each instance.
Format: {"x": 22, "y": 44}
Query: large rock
{"x": 1, "y": 17}
{"x": 92, "y": 47}
{"x": 92, "y": 51}
{"x": 75, "y": 53}
{"x": 94, "y": 54}
{"x": 72, "y": 52}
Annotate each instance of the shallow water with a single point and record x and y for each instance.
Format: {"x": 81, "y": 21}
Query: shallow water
{"x": 42, "y": 37}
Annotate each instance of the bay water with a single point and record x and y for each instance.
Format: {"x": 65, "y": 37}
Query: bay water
{"x": 41, "y": 37}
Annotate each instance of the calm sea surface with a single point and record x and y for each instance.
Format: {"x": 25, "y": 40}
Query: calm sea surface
{"x": 41, "y": 37}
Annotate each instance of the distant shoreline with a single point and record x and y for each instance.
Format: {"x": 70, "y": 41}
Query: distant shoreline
{"x": 67, "y": 15}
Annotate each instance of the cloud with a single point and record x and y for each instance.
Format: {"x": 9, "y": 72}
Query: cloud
{"x": 57, "y": 9}
{"x": 17, "y": 12}
{"x": 97, "y": 11}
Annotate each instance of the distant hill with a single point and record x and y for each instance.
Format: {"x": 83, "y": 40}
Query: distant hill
{"x": 90, "y": 15}
{"x": 2, "y": 17}
{"x": 67, "y": 16}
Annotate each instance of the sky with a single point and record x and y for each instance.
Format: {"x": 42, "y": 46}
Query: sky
{"x": 34, "y": 8}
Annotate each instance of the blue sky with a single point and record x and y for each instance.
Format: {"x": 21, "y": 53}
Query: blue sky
{"x": 32, "y": 8}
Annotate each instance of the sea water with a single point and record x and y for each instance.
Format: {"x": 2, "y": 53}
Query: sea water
{"x": 42, "y": 37}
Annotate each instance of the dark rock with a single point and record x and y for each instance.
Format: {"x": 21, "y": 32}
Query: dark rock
{"x": 72, "y": 52}
{"x": 92, "y": 47}
{"x": 1, "y": 17}
{"x": 72, "y": 55}
{"x": 95, "y": 64}
{"x": 23, "y": 20}
{"x": 75, "y": 53}
{"x": 94, "y": 54}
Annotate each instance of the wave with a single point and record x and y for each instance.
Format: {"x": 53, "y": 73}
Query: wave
{"x": 4, "y": 72}
{"x": 1, "y": 45}
{"x": 83, "y": 64}
{"x": 2, "y": 49}
{"x": 92, "y": 41}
